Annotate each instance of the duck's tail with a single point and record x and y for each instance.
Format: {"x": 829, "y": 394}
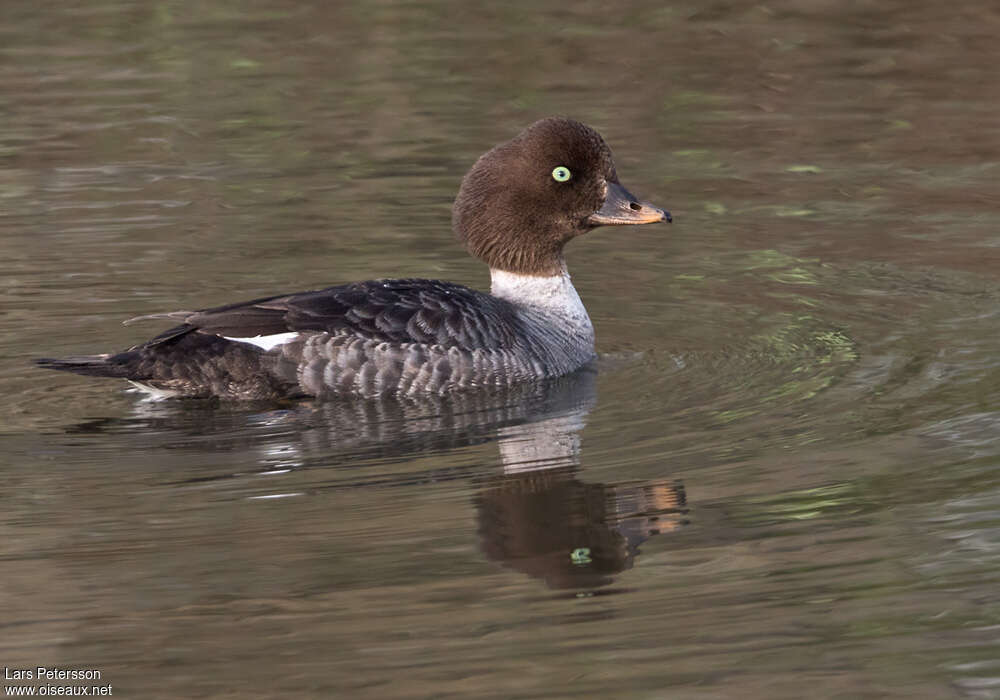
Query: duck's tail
{"x": 91, "y": 365}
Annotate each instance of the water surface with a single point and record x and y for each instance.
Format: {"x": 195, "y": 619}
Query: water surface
{"x": 781, "y": 479}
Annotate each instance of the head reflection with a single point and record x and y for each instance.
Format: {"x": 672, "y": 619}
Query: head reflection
{"x": 540, "y": 519}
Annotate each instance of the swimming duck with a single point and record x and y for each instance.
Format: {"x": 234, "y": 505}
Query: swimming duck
{"x": 517, "y": 207}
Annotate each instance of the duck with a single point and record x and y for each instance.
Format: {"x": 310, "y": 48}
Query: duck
{"x": 516, "y": 209}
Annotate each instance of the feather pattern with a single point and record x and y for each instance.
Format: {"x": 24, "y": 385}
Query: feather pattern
{"x": 371, "y": 338}
{"x": 394, "y": 311}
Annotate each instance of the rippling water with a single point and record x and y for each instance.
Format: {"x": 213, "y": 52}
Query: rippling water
{"x": 780, "y": 481}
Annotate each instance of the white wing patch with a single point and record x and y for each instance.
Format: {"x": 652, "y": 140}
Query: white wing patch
{"x": 152, "y": 393}
{"x": 266, "y": 342}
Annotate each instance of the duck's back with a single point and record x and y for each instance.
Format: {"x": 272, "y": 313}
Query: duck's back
{"x": 368, "y": 338}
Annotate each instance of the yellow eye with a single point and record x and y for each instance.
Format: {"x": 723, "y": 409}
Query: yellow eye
{"x": 561, "y": 173}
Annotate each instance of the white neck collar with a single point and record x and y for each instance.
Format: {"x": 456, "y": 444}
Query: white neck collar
{"x": 553, "y": 296}
{"x": 531, "y": 290}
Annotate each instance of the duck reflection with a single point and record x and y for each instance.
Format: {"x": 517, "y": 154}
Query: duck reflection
{"x": 540, "y": 519}
{"x": 537, "y": 516}
{"x": 570, "y": 534}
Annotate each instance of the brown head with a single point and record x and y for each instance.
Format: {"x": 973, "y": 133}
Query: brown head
{"x": 526, "y": 198}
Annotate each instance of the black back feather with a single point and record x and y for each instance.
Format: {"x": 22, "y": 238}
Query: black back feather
{"x": 395, "y": 311}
